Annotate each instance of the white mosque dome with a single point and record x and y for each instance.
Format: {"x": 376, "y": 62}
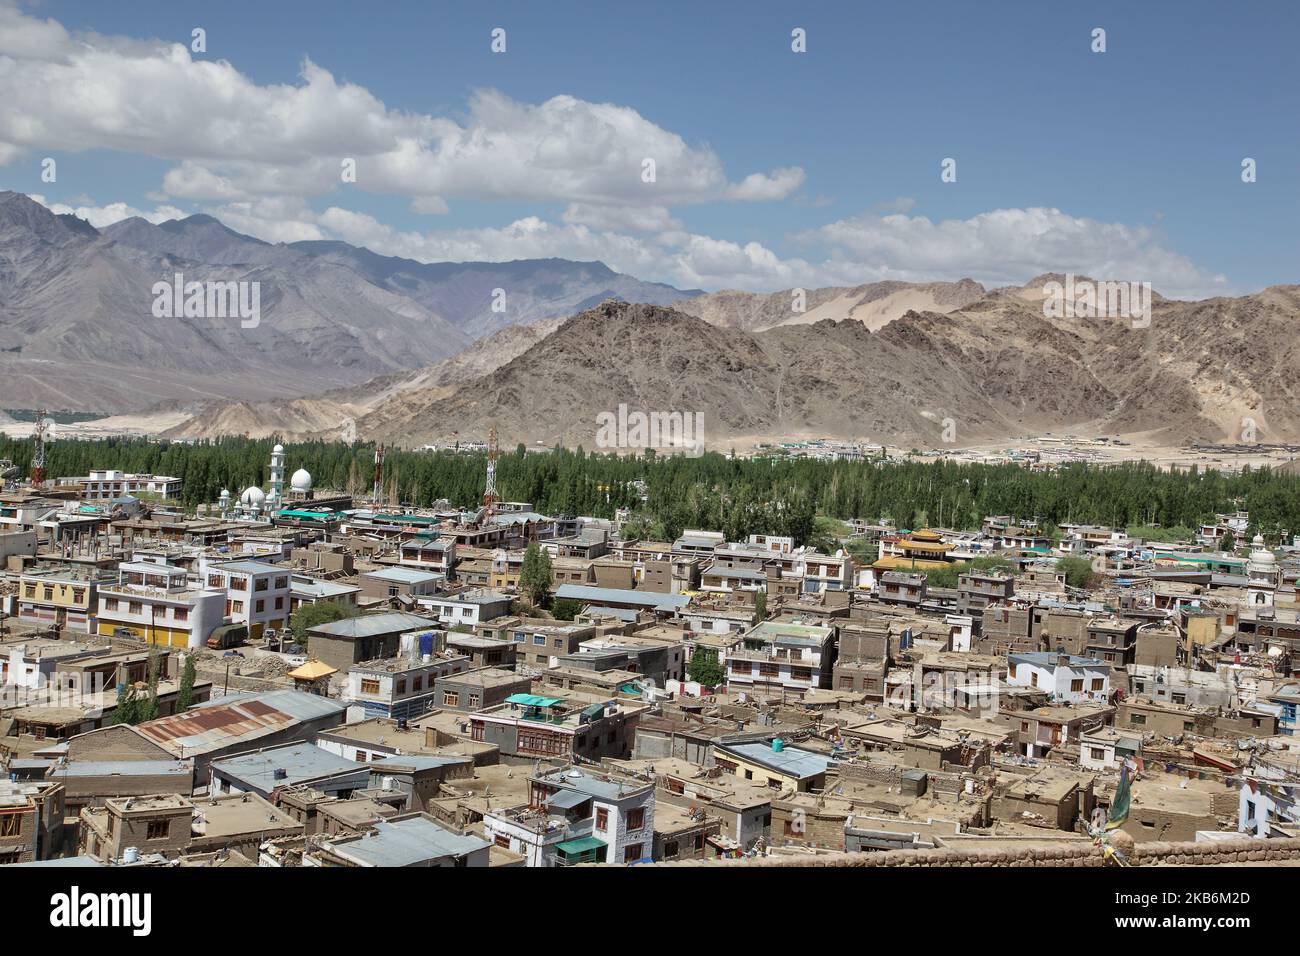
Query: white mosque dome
{"x": 301, "y": 480}
{"x": 278, "y": 450}
{"x": 253, "y": 497}
{"x": 1260, "y": 556}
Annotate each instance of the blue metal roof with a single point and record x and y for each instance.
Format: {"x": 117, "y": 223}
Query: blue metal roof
{"x": 790, "y": 761}
{"x": 408, "y": 842}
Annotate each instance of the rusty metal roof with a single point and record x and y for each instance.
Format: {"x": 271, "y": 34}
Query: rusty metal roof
{"x": 219, "y": 725}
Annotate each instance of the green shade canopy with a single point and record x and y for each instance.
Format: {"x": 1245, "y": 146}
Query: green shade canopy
{"x": 532, "y": 700}
{"x": 581, "y": 845}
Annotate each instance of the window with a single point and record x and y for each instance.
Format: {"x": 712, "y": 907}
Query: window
{"x": 181, "y": 614}
{"x": 136, "y": 607}
{"x": 502, "y": 841}
{"x": 632, "y": 852}
{"x": 1137, "y": 718}
{"x": 110, "y": 604}
{"x": 159, "y": 829}
{"x": 1098, "y": 683}
{"x": 369, "y": 685}
{"x": 670, "y": 849}
{"x": 401, "y": 685}
{"x": 602, "y": 819}
{"x": 451, "y": 698}
{"x": 473, "y": 701}
{"x": 635, "y": 818}
{"x": 1076, "y": 686}
{"x": 1097, "y": 753}
{"x": 539, "y": 640}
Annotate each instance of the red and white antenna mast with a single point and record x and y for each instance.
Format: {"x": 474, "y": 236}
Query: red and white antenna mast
{"x": 490, "y": 491}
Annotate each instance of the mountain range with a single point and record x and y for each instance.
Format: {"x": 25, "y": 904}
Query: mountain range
{"x": 354, "y": 343}
{"x": 77, "y": 329}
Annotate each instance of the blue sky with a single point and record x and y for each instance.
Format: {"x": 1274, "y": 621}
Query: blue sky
{"x": 775, "y": 169}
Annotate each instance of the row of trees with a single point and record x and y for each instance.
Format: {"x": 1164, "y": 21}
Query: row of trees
{"x": 739, "y": 496}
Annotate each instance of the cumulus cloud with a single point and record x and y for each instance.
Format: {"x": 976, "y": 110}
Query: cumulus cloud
{"x": 261, "y": 157}
{"x": 1008, "y": 246}
{"x": 235, "y": 139}
{"x": 101, "y": 216}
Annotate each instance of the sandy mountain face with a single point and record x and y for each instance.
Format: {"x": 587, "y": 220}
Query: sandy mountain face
{"x": 335, "y": 414}
{"x": 997, "y": 369}
{"x": 875, "y": 305}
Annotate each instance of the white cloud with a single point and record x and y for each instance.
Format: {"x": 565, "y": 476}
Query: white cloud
{"x": 234, "y": 139}
{"x": 101, "y": 216}
{"x": 256, "y": 155}
{"x": 629, "y": 218}
{"x": 1008, "y": 246}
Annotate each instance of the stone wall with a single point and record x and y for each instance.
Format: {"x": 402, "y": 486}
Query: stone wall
{"x": 1239, "y": 852}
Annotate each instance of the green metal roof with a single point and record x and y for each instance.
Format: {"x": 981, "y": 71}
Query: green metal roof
{"x": 532, "y": 700}
{"x": 580, "y": 845}
{"x": 297, "y": 513}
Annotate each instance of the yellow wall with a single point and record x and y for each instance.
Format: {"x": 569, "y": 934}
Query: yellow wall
{"x": 172, "y": 637}
{"x": 61, "y": 596}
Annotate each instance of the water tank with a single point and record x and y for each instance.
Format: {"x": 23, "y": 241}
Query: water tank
{"x": 130, "y": 855}
{"x": 777, "y": 745}
{"x": 426, "y": 643}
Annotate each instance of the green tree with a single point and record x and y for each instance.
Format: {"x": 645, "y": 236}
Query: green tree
{"x": 705, "y": 668}
{"x": 313, "y": 615}
{"x": 565, "y": 609}
{"x": 127, "y": 710}
{"x": 535, "y": 575}
{"x": 1227, "y": 543}
{"x": 185, "y": 697}
{"x": 148, "y": 708}
{"x": 1078, "y": 571}
{"x": 760, "y": 606}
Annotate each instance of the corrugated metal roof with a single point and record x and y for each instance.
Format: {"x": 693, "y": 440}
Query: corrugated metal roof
{"x": 407, "y": 842}
{"x": 121, "y": 768}
{"x": 595, "y": 595}
{"x": 300, "y": 762}
{"x": 790, "y": 761}
{"x": 221, "y": 723}
{"x": 373, "y": 625}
